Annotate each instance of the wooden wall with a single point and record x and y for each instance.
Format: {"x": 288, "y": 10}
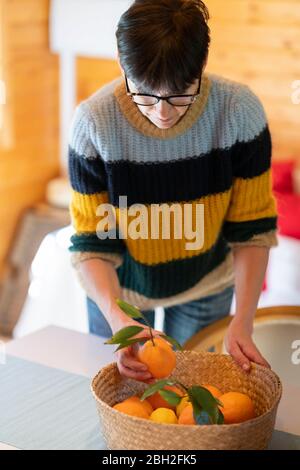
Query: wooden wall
{"x": 253, "y": 41}
{"x": 32, "y": 157}
{"x": 256, "y": 42}
{"x": 94, "y": 73}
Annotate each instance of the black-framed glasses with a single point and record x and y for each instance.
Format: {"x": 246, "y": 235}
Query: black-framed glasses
{"x": 145, "y": 99}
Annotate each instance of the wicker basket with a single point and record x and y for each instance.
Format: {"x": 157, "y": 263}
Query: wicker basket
{"x": 122, "y": 431}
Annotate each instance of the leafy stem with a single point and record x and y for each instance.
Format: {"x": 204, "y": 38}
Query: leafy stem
{"x": 133, "y": 312}
{"x": 205, "y": 405}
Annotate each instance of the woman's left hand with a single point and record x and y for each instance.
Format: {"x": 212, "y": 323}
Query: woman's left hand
{"x": 239, "y": 344}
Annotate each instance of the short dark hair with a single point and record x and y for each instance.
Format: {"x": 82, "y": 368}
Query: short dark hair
{"x": 163, "y": 44}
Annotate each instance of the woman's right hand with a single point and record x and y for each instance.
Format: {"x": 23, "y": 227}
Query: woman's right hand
{"x": 127, "y": 361}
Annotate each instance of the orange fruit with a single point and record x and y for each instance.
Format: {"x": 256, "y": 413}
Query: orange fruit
{"x": 157, "y": 401}
{"x": 182, "y": 405}
{"x": 145, "y": 403}
{"x": 133, "y": 406}
{"x": 213, "y": 390}
{"x": 186, "y": 416}
{"x": 237, "y": 407}
{"x": 147, "y": 406}
{"x": 162, "y": 342}
{"x": 164, "y": 415}
{"x": 158, "y": 357}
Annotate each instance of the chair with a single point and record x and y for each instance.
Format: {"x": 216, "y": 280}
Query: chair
{"x": 213, "y": 335}
{"x": 277, "y": 336}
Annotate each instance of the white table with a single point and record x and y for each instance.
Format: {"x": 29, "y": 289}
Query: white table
{"x": 62, "y": 349}
{"x": 84, "y": 355}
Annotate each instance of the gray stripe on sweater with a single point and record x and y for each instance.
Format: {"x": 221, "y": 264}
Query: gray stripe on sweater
{"x": 232, "y": 113}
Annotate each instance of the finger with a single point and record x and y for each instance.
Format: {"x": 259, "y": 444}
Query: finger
{"x": 127, "y": 360}
{"x": 132, "y": 374}
{"x": 128, "y": 357}
{"x": 240, "y": 357}
{"x": 157, "y": 334}
{"x": 134, "y": 348}
{"x": 150, "y": 381}
{"x": 251, "y": 351}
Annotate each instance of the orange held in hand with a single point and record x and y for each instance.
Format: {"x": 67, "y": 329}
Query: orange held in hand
{"x": 158, "y": 356}
{"x": 162, "y": 343}
{"x": 237, "y": 407}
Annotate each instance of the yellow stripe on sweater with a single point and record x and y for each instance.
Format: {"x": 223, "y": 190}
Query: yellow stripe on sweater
{"x": 153, "y": 251}
{"x": 252, "y": 199}
{"x": 83, "y": 209}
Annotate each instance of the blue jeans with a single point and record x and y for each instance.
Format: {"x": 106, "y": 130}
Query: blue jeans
{"x": 181, "y": 321}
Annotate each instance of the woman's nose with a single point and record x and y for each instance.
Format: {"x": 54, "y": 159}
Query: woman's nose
{"x": 163, "y": 109}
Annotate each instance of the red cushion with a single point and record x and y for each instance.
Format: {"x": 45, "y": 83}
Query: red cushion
{"x": 282, "y": 175}
{"x": 288, "y": 206}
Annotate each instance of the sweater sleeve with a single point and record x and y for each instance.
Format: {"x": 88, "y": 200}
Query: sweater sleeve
{"x": 93, "y": 238}
{"x": 251, "y": 218}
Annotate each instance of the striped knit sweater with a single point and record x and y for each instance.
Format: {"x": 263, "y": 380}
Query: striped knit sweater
{"x": 218, "y": 154}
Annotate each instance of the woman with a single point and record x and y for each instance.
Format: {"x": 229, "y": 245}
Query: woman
{"x": 169, "y": 136}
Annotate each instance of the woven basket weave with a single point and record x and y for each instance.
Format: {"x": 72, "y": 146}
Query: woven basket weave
{"x": 122, "y": 431}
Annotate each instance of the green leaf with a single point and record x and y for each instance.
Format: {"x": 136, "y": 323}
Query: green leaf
{"x": 182, "y": 386}
{"x": 159, "y": 385}
{"x": 219, "y": 402}
{"x": 202, "y": 398}
{"x": 215, "y": 415}
{"x": 130, "y": 342}
{"x": 172, "y": 341}
{"x": 201, "y": 417}
{"x": 130, "y": 310}
{"x": 124, "y": 334}
{"x": 171, "y": 397}
{"x": 220, "y": 418}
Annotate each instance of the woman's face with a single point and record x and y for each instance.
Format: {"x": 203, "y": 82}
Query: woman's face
{"x": 163, "y": 114}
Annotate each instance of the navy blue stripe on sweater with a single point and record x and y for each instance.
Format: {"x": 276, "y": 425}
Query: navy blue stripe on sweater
{"x": 174, "y": 181}
{"x": 87, "y": 175}
{"x": 167, "y": 279}
{"x": 250, "y": 159}
{"x": 243, "y": 231}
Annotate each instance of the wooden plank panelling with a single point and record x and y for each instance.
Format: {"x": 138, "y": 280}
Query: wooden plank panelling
{"x": 33, "y": 158}
{"x": 256, "y": 42}
{"x": 94, "y": 73}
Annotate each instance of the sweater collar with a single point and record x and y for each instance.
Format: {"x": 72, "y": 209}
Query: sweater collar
{"x": 146, "y": 127}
